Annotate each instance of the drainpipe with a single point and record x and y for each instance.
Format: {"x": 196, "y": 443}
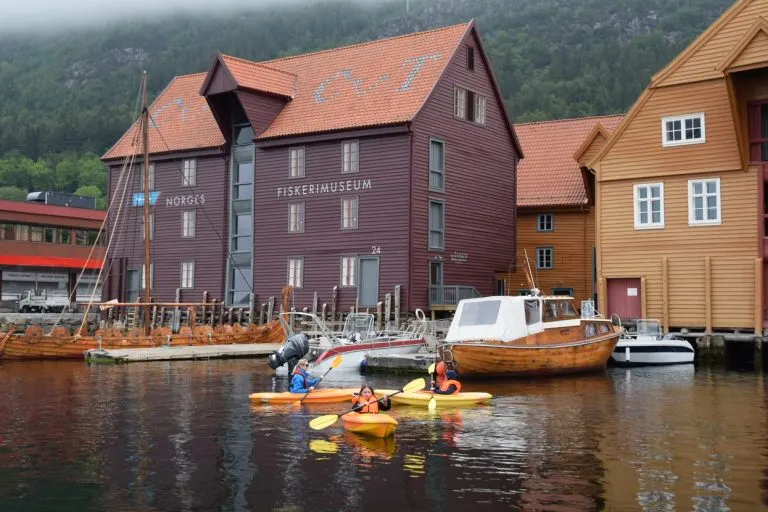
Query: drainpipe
{"x": 409, "y": 285}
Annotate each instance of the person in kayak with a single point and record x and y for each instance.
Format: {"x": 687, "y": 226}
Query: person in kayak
{"x": 365, "y": 401}
{"x": 300, "y": 382}
{"x": 449, "y": 386}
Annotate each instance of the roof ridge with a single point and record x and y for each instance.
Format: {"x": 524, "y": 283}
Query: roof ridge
{"x": 374, "y": 41}
{"x": 189, "y": 75}
{"x": 585, "y": 118}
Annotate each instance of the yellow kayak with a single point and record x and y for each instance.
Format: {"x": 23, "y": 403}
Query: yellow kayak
{"x": 376, "y": 425}
{"x": 321, "y": 396}
{"x": 421, "y": 398}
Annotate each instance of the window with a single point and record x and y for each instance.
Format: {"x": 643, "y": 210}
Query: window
{"x": 151, "y": 179}
{"x": 501, "y": 287}
{"x": 93, "y": 238}
{"x": 81, "y": 237}
{"x": 545, "y": 258}
{"x": 243, "y": 232}
{"x": 680, "y": 130}
{"x": 350, "y": 156}
{"x": 35, "y": 233}
{"x": 7, "y": 232}
{"x": 187, "y": 274}
{"x": 65, "y": 236}
{"x": 296, "y": 218}
{"x": 437, "y": 165}
{"x": 243, "y": 135}
{"x": 297, "y": 163}
{"x": 348, "y": 270}
{"x": 244, "y": 180}
{"x": 349, "y": 213}
{"x": 436, "y": 225}
{"x": 240, "y": 279}
{"x": 49, "y": 235}
{"x": 468, "y": 105}
{"x": 190, "y": 173}
{"x": 704, "y": 202}
{"x": 188, "y": 221}
{"x": 480, "y": 313}
{"x": 649, "y": 206}
{"x": 563, "y": 291}
{"x": 22, "y": 232}
{"x": 545, "y": 222}
{"x": 151, "y": 226}
{"x": 295, "y": 272}
{"x": 470, "y": 58}
{"x": 151, "y": 275}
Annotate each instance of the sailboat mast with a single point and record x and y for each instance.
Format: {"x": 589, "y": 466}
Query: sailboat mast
{"x": 147, "y": 233}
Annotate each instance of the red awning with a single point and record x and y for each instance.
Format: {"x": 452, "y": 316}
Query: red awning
{"x": 49, "y": 261}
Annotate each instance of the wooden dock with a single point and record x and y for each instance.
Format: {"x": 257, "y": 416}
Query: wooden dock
{"x": 180, "y": 353}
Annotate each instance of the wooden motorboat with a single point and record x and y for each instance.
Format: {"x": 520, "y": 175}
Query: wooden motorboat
{"x": 526, "y": 336}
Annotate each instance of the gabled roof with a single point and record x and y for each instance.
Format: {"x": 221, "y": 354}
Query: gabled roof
{"x": 256, "y": 77}
{"x": 180, "y": 121}
{"x": 550, "y": 174}
{"x": 751, "y": 48}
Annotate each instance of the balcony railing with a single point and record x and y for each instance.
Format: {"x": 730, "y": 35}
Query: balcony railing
{"x": 450, "y": 295}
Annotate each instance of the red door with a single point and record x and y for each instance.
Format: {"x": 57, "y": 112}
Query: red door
{"x": 624, "y": 298}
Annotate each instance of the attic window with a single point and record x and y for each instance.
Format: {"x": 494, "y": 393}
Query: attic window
{"x": 470, "y": 58}
{"x": 468, "y": 105}
{"x": 681, "y": 130}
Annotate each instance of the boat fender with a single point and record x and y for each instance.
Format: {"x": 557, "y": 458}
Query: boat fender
{"x": 420, "y": 316}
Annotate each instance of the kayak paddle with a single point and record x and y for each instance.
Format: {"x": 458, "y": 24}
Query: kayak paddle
{"x": 322, "y": 422}
{"x": 432, "y": 404}
{"x": 334, "y": 364}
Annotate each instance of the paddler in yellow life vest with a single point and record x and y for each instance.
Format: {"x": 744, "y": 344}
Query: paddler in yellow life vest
{"x": 445, "y": 381}
{"x": 365, "y": 401}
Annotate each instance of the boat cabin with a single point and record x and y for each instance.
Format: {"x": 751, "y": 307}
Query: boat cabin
{"x": 507, "y": 318}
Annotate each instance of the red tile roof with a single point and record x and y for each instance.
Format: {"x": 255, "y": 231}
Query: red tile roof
{"x": 549, "y": 175}
{"x": 370, "y": 84}
{"x": 50, "y": 210}
{"x": 180, "y": 121}
{"x": 258, "y": 77}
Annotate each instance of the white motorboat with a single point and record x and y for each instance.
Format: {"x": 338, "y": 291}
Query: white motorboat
{"x": 357, "y": 339}
{"x": 647, "y": 346}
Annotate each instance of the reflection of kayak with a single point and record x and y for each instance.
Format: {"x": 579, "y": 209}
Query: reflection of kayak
{"x": 321, "y": 396}
{"x": 421, "y": 398}
{"x": 376, "y": 425}
{"x": 383, "y": 447}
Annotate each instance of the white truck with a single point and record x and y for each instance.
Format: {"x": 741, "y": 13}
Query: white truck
{"x": 38, "y": 301}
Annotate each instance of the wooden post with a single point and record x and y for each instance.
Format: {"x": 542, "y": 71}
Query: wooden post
{"x": 191, "y": 316}
{"x": 162, "y": 316}
{"x": 387, "y": 310}
{"x": 643, "y": 298}
{"x": 270, "y": 308}
{"x": 324, "y": 311}
{"x": 378, "y": 315}
{"x": 213, "y": 313}
{"x": 397, "y": 306}
{"x": 251, "y": 308}
{"x": 222, "y": 306}
{"x": 357, "y": 304}
{"x": 205, "y": 307}
{"x": 230, "y": 315}
{"x": 154, "y": 317}
{"x": 240, "y": 315}
{"x": 759, "y": 297}
{"x": 177, "y": 312}
{"x": 314, "y": 304}
{"x": 334, "y": 302}
{"x": 665, "y": 292}
{"x": 263, "y": 314}
{"x": 708, "y": 294}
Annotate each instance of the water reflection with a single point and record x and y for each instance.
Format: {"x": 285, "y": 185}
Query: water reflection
{"x": 183, "y": 436}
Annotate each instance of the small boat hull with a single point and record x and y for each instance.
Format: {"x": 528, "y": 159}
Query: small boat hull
{"x": 321, "y": 396}
{"x": 374, "y": 425}
{"x": 421, "y": 399}
{"x": 629, "y": 352}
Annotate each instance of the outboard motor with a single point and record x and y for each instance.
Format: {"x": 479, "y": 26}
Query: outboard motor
{"x": 295, "y": 347}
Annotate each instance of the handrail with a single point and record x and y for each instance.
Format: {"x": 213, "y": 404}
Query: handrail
{"x": 451, "y": 295}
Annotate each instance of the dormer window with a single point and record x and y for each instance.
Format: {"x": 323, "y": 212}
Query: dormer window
{"x": 468, "y": 105}
{"x": 682, "y": 130}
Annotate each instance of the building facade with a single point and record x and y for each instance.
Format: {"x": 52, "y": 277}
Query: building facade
{"x": 555, "y": 207}
{"x": 51, "y": 248}
{"x": 680, "y": 186}
{"x": 360, "y": 169}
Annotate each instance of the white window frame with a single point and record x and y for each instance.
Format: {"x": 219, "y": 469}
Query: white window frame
{"x": 143, "y": 281}
{"x": 691, "y": 196}
{"x": 296, "y": 217}
{"x": 683, "y": 141}
{"x": 539, "y": 252}
{"x": 460, "y": 102}
{"x": 348, "y": 271}
{"x": 433, "y": 169}
{"x": 350, "y": 212}
{"x": 350, "y": 156}
{"x": 479, "y": 109}
{"x": 188, "y": 223}
{"x": 296, "y": 162}
{"x": 295, "y": 275}
{"x": 187, "y": 275}
{"x": 542, "y": 217}
{"x": 189, "y": 173}
{"x": 650, "y": 224}
{"x": 151, "y": 226}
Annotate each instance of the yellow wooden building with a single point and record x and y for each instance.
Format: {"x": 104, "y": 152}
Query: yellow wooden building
{"x": 555, "y": 206}
{"x": 680, "y": 187}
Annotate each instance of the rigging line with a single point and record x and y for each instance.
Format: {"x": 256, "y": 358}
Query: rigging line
{"x": 230, "y": 257}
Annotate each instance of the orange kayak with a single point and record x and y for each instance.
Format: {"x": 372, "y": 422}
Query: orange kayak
{"x": 376, "y": 425}
{"x": 321, "y": 396}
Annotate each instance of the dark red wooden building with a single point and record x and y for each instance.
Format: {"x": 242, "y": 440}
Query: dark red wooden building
{"x": 365, "y": 167}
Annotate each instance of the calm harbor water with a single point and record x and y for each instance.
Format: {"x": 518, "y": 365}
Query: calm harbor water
{"x": 183, "y": 436}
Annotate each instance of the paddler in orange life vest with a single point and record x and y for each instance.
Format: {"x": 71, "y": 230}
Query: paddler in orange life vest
{"x": 445, "y": 382}
{"x": 365, "y": 401}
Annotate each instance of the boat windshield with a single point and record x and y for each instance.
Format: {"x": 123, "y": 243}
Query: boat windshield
{"x": 482, "y": 312}
{"x": 559, "y": 309}
{"x": 648, "y": 328}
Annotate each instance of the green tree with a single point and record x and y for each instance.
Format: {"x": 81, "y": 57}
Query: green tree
{"x": 12, "y": 193}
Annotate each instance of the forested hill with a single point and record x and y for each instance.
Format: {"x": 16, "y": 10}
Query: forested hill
{"x": 75, "y": 92}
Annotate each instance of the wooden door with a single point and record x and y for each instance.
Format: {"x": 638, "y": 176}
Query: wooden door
{"x": 624, "y": 298}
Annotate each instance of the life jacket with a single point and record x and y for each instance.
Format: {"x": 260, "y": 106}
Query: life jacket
{"x": 439, "y": 379}
{"x": 447, "y": 383}
{"x": 372, "y": 408}
{"x": 297, "y": 371}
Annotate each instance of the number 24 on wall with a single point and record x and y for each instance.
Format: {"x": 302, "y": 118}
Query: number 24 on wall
{"x": 375, "y": 249}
